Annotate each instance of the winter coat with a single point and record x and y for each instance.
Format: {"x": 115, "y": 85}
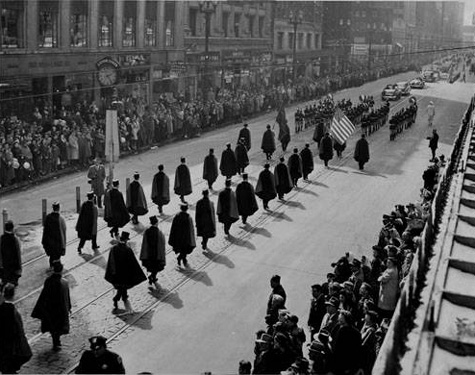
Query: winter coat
{"x": 362, "y": 151}
{"x": 346, "y": 350}
{"x": 268, "y": 141}
{"x": 136, "y": 202}
{"x": 295, "y": 166}
{"x": 307, "y": 161}
{"x": 205, "y": 218}
{"x": 265, "y": 188}
{"x": 246, "y": 199}
{"x": 161, "y": 189}
{"x": 97, "y": 175}
{"x": 228, "y": 164}
{"x": 326, "y": 148}
{"x": 210, "y": 169}
{"x": 54, "y": 235}
{"x": 123, "y": 270}
{"x": 182, "y": 184}
{"x": 53, "y": 305}
{"x": 389, "y": 289}
{"x": 283, "y": 182}
{"x": 152, "y": 253}
{"x": 227, "y": 207}
{"x": 73, "y": 147}
{"x": 182, "y": 234}
{"x": 86, "y": 225}
{"x": 246, "y": 134}
{"x": 115, "y": 212}
{"x": 242, "y": 159}
{"x": 10, "y": 258}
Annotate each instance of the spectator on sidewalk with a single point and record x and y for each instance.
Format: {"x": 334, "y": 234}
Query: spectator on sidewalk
{"x": 10, "y": 256}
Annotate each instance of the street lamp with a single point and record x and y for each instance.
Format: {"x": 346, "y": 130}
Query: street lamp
{"x": 295, "y": 20}
{"x": 207, "y": 8}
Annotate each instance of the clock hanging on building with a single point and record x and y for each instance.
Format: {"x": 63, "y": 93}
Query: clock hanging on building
{"x": 107, "y": 75}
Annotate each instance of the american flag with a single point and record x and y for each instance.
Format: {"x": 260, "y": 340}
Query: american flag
{"x": 341, "y": 128}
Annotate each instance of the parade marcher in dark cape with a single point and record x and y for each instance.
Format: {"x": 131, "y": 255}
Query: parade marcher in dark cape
{"x": 362, "y": 151}
{"x": 265, "y": 188}
{"x": 295, "y": 167}
{"x": 123, "y": 270}
{"x": 99, "y": 360}
{"x": 54, "y": 235}
{"x": 246, "y": 199}
{"x": 319, "y": 132}
{"x": 283, "y": 182}
{"x": 152, "y": 253}
{"x": 54, "y": 305}
{"x": 205, "y": 219}
{"x": 307, "y": 161}
{"x": 14, "y": 348}
{"x": 96, "y": 175}
{"x": 183, "y": 185}
{"x": 242, "y": 159}
{"x": 182, "y": 235}
{"x": 228, "y": 164}
{"x": 86, "y": 225}
{"x": 227, "y": 207}
{"x": 268, "y": 143}
{"x": 136, "y": 202}
{"x": 160, "y": 189}
{"x": 10, "y": 256}
{"x": 210, "y": 168}
{"x": 246, "y": 134}
{"x": 284, "y": 131}
{"x": 339, "y": 148}
{"x": 325, "y": 150}
{"x": 115, "y": 213}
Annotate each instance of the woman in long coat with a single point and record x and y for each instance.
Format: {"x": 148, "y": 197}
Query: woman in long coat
{"x": 160, "y": 189}
{"x": 205, "y": 219}
{"x": 389, "y": 288}
{"x": 152, "y": 254}
{"x": 326, "y": 149}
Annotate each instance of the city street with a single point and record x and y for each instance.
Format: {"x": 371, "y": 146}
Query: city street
{"x": 204, "y": 319}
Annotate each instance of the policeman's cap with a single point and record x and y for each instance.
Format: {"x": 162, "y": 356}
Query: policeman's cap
{"x": 98, "y": 342}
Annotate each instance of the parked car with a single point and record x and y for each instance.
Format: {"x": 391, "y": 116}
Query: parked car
{"x": 417, "y": 83}
{"x": 404, "y": 87}
{"x": 391, "y": 92}
{"x": 444, "y": 76}
{"x": 430, "y": 76}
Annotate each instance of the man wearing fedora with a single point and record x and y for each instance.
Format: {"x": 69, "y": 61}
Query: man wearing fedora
{"x": 123, "y": 270}
{"x": 100, "y": 360}
{"x": 205, "y": 219}
{"x": 182, "y": 235}
{"x": 136, "y": 202}
{"x": 115, "y": 214}
{"x": 330, "y": 319}
{"x": 307, "y": 161}
{"x": 86, "y": 225}
{"x": 283, "y": 182}
{"x": 54, "y": 235}
{"x": 96, "y": 175}
{"x": 152, "y": 253}
{"x": 10, "y": 256}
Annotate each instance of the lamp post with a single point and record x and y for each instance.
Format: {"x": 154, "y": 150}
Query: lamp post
{"x": 208, "y": 8}
{"x": 295, "y": 20}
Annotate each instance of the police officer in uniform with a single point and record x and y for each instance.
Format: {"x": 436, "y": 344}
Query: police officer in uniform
{"x": 99, "y": 360}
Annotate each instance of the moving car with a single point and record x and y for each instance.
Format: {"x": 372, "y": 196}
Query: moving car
{"x": 391, "y": 92}
{"x": 417, "y": 83}
{"x": 404, "y": 87}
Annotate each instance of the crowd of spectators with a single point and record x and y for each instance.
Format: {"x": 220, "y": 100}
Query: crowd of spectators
{"x": 351, "y": 311}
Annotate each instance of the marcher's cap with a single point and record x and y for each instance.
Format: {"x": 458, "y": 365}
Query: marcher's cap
{"x": 296, "y": 150}
{"x": 182, "y": 159}
{"x": 183, "y": 206}
{"x": 55, "y": 205}
{"x": 245, "y": 125}
{"x": 205, "y": 192}
{"x": 282, "y": 158}
{"x": 90, "y": 195}
{"x": 98, "y": 342}
{"x": 227, "y": 183}
{"x": 160, "y": 167}
{"x": 57, "y": 266}
{"x": 125, "y": 236}
{"x": 266, "y": 165}
{"x": 245, "y": 176}
{"x": 136, "y": 175}
{"x": 9, "y": 225}
{"x": 153, "y": 220}
{"x": 211, "y": 150}
{"x": 333, "y": 301}
{"x": 268, "y": 126}
{"x": 307, "y": 144}
{"x": 431, "y": 102}
{"x": 316, "y": 286}
{"x": 316, "y": 346}
{"x": 228, "y": 145}
{"x": 115, "y": 183}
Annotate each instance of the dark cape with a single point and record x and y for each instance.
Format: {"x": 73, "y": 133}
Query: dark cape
{"x": 228, "y": 164}
{"x": 123, "y": 269}
{"x": 325, "y": 151}
{"x": 86, "y": 225}
{"x": 14, "y": 347}
{"x": 54, "y": 235}
{"x": 10, "y": 258}
{"x": 283, "y": 183}
{"x": 227, "y": 207}
{"x": 319, "y": 132}
{"x": 307, "y": 160}
{"x": 136, "y": 202}
{"x": 210, "y": 169}
{"x": 246, "y": 134}
{"x": 205, "y": 218}
{"x": 284, "y": 131}
{"x": 295, "y": 166}
{"x": 182, "y": 234}
{"x": 152, "y": 253}
{"x": 115, "y": 212}
{"x": 362, "y": 151}
{"x": 183, "y": 180}
{"x": 265, "y": 188}
{"x": 242, "y": 159}
{"x": 246, "y": 199}
{"x": 161, "y": 189}
{"x": 53, "y": 305}
{"x": 268, "y": 141}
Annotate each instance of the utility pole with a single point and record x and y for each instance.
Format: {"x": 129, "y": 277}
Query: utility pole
{"x": 295, "y": 20}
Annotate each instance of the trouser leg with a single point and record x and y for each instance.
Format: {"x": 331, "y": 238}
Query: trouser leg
{"x": 82, "y": 242}
{"x": 94, "y": 242}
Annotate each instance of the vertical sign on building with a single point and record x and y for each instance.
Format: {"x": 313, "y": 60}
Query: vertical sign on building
{"x": 112, "y": 141}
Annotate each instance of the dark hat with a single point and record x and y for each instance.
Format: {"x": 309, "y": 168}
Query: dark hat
{"x": 228, "y": 145}
{"x": 410, "y": 205}
{"x": 211, "y": 150}
{"x": 57, "y": 266}
{"x": 153, "y": 220}
{"x": 245, "y": 125}
{"x": 98, "y": 342}
{"x": 115, "y": 183}
{"x": 296, "y": 150}
{"x": 333, "y": 301}
{"x": 307, "y": 144}
{"x": 245, "y": 176}
{"x": 316, "y": 286}
{"x": 330, "y": 274}
{"x": 9, "y": 225}
{"x": 268, "y": 126}
{"x": 55, "y": 205}
{"x": 183, "y": 206}
{"x": 227, "y": 183}
{"x": 282, "y": 158}
{"x": 125, "y": 236}
{"x": 160, "y": 167}
{"x": 377, "y": 248}
{"x": 205, "y": 192}
{"x": 136, "y": 175}
{"x": 182, "y": 159}
{"x": 293, "y": 318}
{"x": 90, "y": 195}
{"x": 266, "y": 165}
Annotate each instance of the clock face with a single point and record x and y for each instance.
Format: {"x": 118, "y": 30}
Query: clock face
{"x": 107, "y": 75}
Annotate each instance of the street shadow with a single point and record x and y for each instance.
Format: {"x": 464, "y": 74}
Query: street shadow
{"x": 99, "y": 261}
{"x": 337, "y": 169}
{"x": 138, "y": 228}
{"x": 279, "y": 216}
{"x": 165, "y": 296}
{"x": 218, "y": 258}
{"x": 257, "y": 230}
{"x": 200, "y": 276}
{"x": 241, "y": 242}
{"x": 130, "y": 317}
{"x": 306, "y": 191}
{"x": 369, "y": 173}
{"x": 164, "y": 217}
{"x": 294, "y": 204}
{"x": 316, "y": 183}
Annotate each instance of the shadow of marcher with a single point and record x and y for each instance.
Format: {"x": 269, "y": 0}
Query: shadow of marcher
{"x": 241, "y": 242}
{"x": 200, "y": 276}
{"x": 316, "y": 183}
{"x": 165, "y": 296}
{"x": 306, "y": 191}
{"x": 279, "y": 216}
{"x": 138, "y": 228}
{"x": 369, "y": 173}
{"x": 337, "y": 169}
{"x": 144, "y": 322}
{"x": 218, "y": 258}
{"x": 258, "y": 230}
{"x": 295, "y": 204}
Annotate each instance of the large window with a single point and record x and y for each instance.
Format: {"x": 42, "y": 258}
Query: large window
{"x": 78, "y": 24}
{"x": 300, "y": 42}
{"x": 12, "y": 24}
{"x": 192, "y": 16}
{"x": 169, "y": 23}
{"x": 224, "y": 23}
{"x": 106, "y": 23}
{"x": 317, "y": 41}
{"x": 251, "y": 25}
{"x": 237, "y": 24}
{"x": 291, "y": 40}
{"x": 151, "y": 24}
{"x": 309, "y": 41}
{"x": 261, "y": 27}
{"x": 48, "y": 24}
{"x": 280, "y": 40}
{"x": 129, "y": 24}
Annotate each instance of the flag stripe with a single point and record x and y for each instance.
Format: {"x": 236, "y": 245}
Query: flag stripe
{"x": 341, "y": 127}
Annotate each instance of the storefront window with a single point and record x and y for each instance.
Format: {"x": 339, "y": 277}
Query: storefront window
{"x": 169, "y": 23}
{"x": 261, "y": 27}
{"x": 309, "y": 41}
{"x": 128, "y": 29}
{"x": 237, "y": 24}
{"x": 300, "y": 45}
{"x": 291, "y": 40}
{"x": 224, "y": 23}
{"x": 12, "y": 24}
{"x": 151, "y": 24}
{"x": 78, "y": 24}
{"x": 251, "y": 26}
{"x": 48, "y": 24}
{"x": 280, "y": 40}
{"x": 106, "y": 25}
